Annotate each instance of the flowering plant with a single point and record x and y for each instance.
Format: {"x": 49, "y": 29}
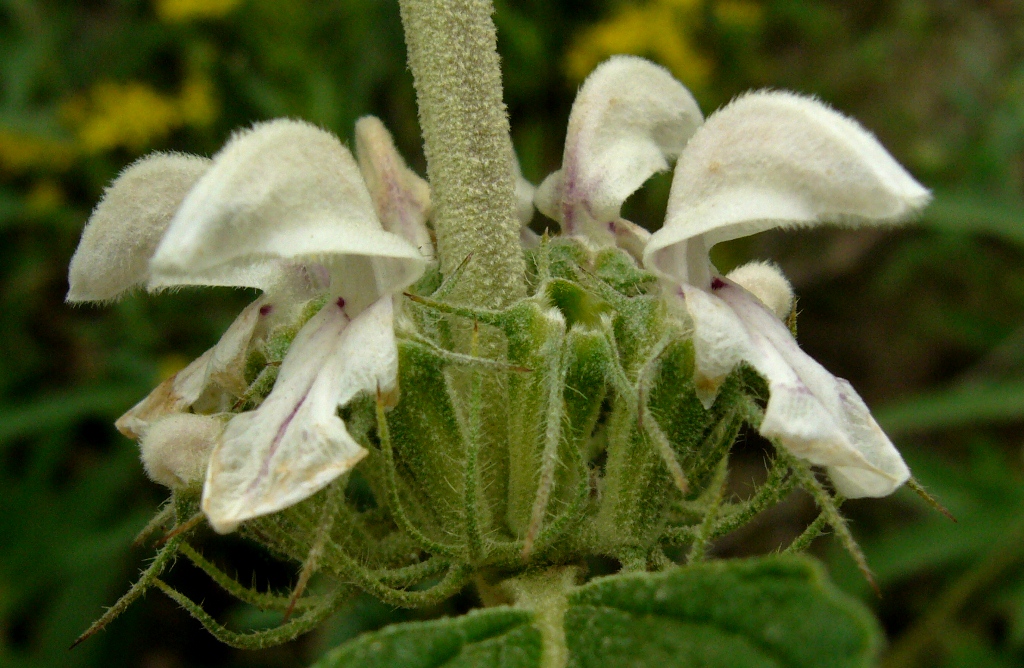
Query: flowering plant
{"x": 520, "y": 409}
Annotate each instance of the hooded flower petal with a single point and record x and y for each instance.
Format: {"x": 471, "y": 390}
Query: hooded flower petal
{"x": 283, "y": 192}
{"x": 220, "y": 367}
{"x": 629, "y": 120}
{"x": 400, "y": 196}
{"x": 769, "y": 160}
{"x": 295, "y": 444}
{"x": 128, "y": 223}
{"x": 810, "y": 412}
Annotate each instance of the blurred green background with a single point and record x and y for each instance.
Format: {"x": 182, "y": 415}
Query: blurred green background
{"x": 927, "y": 321}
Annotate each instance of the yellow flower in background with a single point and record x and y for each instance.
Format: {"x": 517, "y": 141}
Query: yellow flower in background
{"x": 739, "y": 13}
{"x": 661, "y": 30}
{"x": 108, "y": 116}
{"x": 23, "y": 151}
{"x": 656, "y": 30}
{"x": 177, "y": 11}
{"x": 127, "y": 115}
{"x": 134, "y": 115}
{"x": 197, "y": 102}
{"x": 44, "y": 196}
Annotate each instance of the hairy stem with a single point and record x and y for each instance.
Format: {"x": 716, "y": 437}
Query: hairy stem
{"x": 452, "y": 47}
{"x": 546, "y": 595}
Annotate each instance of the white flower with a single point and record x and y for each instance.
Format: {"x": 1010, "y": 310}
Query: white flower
{"x": 283, "y": 208}
{"x": 767, "y": 160}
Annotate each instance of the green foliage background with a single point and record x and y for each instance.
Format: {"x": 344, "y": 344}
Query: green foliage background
{"x": 927, "y": 322}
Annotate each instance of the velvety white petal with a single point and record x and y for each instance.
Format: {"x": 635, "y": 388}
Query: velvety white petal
{"x": 765, "y": 281}
{"x": 772, "y": 159}
{"x": 400, "y": 196}
{"x": 810, "y": 412}
{"x": 221, "y": 369}
{"x": 173, "y": 395}
{"x": 629, "y": 120}
{"x": 128, "y": 223}
{"x": 295, "y": 444}
{"x": 547, "y": 197}
{"x": 283, "y": 191}
{"x": 176, "y": 449}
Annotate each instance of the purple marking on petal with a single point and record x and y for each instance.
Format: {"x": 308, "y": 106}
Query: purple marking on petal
{"x": 266, "y": 310}
{"x": 340, "y": 302}
{"x": 717, "y": 283}
{"x": 800, "y": 388}
{"x": 569, "y": 195}
{"x": 265, "y": 467}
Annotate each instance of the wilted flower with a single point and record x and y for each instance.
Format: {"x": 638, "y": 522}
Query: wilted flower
{"x": 282, "y": 208}
{"x": 767, "y": 160}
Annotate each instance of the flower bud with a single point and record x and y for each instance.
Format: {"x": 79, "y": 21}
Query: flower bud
{"x": 176, "y": 449}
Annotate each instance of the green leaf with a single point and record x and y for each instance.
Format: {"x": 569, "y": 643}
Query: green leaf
{"x": 491, "y": 638}
{"x": 956, "y": 407}
{"x": 770, "y": 612}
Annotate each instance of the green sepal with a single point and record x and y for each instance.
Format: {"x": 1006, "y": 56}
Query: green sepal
{"x": 429, "y": 282}
{"x": 576, "y": 304}
{"x": 564, "y": 255}
{"x": 585, "y": 385}
{"x": 634, "y": 479}
{"x": 535, "y": 341}
{"x": 425, "y": 431}
{"x": 673, "y": 402}
{"x": 618, "y": 269}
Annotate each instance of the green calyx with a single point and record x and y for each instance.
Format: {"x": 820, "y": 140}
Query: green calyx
{"x": 562, "y": 428}
{"x": 561, "y": 432}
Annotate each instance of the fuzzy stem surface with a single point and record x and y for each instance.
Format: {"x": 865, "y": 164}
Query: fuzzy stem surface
{"x": 452, "y": 50}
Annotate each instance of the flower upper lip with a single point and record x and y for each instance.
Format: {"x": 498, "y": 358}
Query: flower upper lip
{"x": 629, "y": 120}
{"x": 282, "y": 191}
{"x": 771, "y": 159}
